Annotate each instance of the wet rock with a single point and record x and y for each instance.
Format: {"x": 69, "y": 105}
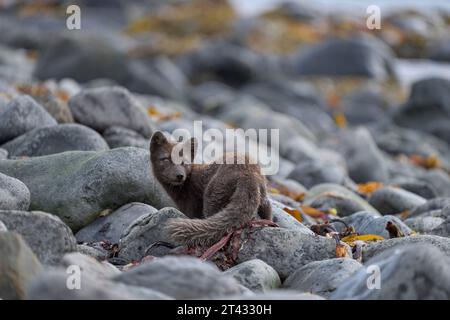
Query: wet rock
{"x": 18, "y": 266}
{"x": 256, "y": 275}
{"x": 427, "y": 108}
{"x": 322, "y": 277}
{"x": 181, "y": 278}
{"x": 14, "y": 194}
{"x": 21, "y": 115}
{"x": 414, "y": 272}
{"x": 56, "y": 139}
{"x": 78, "y": 186}
{"x": 368, "y": 223}
{"x": 375, "y": 248}
{"x": 390, "y": 200}
{"x": 52, "y": 285}
{"x": 358, "y": 56}
{"x": 110, "y": 227}
{"x": 286, "y": 250}
{"x": 117, "y": 137}
{"x": 145, "y": 231}
{"x": 50, "y": 243}
{"x": 101, "y": 108}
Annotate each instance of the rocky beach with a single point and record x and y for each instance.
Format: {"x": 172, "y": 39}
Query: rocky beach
{"x": 361, "y": 198}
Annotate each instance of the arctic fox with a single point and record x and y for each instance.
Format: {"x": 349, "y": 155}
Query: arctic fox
{"x": 218, "y": 198}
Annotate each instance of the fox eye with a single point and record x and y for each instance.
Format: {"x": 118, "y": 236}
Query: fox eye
{"x": 165, "y": 159}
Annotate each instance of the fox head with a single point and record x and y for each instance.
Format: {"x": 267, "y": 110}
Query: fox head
{"x": 171, "y": 160}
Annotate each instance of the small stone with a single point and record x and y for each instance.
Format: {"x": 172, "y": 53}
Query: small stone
{"x": 256, "y": 275}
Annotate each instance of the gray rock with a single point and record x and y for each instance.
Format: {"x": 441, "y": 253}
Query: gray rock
{"x": 286, "y": 221}
{"x": 443, "y": 229}
{"x": 375, "y": 248}
{"x": 81, "y": 57}
{"x": 57, "y": 108}
{"x": 145, "y": 231}
{"x": 425, "y": 224}
{"x": 286, "y": 250}
{"x": 3, "y": 154}
{"x": 440, "y": 51}
{"x": 89, "y": 266}
{"x": 312, "y": 173}
{"x": 117, "y": 137}
{"x": 364, "y": 106}
{"x": 52, "y": 285}
{"x": 359, "y": 56}
{"x": 364, "y": 160}
{"x": 14, "y": 194}
{"x": 181, "y": 278}
{"x": 56, "y": 139}
{"x": 334, "y": 190}
{"x": 420, "y": 188}
{"x": 101, "y": 108}
{"x": 21, "y": 115}
{"x": 3, "y": 227}
{"x": 390, "y": 200}
{"x": 344, "y": 206}
{"x": 226, "y": 62}
{"x": 110, "y": 227}
{"x": 414, "y": 272}
{"x": 158, "y": 76}
{"x": 93, "y": 251}
{"x": 18, "y": 266}
{"x": 322, "y": 277}
{"x": 368, "y": 223}
{"x": 78, "y": 186}
{"x": 430, "y": 205}
{"x": 297, "y": 99}
{"x": 53, "y": 240}
{"x": 439, "y": 180}
{"x": 279, "y": 294}
{"x": 427, "y": 108}
{"x": 256, "y": 275}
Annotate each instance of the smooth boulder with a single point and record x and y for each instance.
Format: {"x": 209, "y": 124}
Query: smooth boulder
{"x": 21, "y": 115}
{"x": 49, "y": 237}
{"x": 14, "y": 194}
{"x": 78, "y": 186}
{"x": 104, "y": 107}
{"x": 56, "y": 139}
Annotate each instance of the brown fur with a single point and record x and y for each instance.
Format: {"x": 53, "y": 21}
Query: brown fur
{"x": 218, "y": 198}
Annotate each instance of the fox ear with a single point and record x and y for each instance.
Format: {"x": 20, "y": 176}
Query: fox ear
{"x": 158, "y": 139}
